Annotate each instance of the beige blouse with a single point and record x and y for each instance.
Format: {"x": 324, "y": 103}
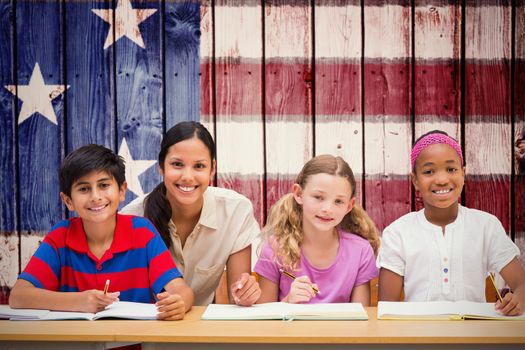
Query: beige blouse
{"x": 226, "y": 226}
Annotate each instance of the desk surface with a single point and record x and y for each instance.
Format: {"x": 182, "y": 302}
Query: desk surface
{"x": 193, "y": 330}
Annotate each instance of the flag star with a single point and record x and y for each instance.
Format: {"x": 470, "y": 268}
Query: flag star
{"x": 134, "y": 168}
{"x": 37, "y": 96}
{"x": 127, "y": 22}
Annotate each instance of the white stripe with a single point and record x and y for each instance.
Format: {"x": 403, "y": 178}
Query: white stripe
{"x": 240, "y": 147}
{"x": 29, "y": 244}
{"x": 9, "y": 260}
{"x": 338, "y": 32}
{"x": 488, "y": 148}
{"x": 288, "y": 30}
{"x": 387, "y": 31}
{"x": 437, "y": 32}
{"x": 452, "y": 129}
{"x": 387, "y": 146}
{"x": 238, "y": 32}
{"x": 206, "y": 32}
{"x": 341, "y": 138}
{"x": 288, "y": 146}
{"x": 488, "y": 32}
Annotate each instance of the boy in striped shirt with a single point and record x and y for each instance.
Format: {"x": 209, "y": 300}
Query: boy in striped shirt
{"x": 69, "y": 270}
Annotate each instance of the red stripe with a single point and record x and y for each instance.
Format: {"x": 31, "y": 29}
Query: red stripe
{"x": 239, "y": 88}
{"x": 487, "y": 89}
{"x": 251, "y": 188}
{"x": 387, "y": 89}
{"x": 387, "y": 199}
{"x": 490, "y": 194}
{"x": 132, "y": 278}
{"x": 438, "y": 92}
{"x": 159, "y": 265}
{"x": 338, "y": 88}
{"x": 141, "y": 237}
{"x": 37, "y": 267}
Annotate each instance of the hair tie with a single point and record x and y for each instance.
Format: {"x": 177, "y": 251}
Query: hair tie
{"x": 432, "y": 139}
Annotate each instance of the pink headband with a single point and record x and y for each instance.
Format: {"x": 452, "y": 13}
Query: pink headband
{"x": 432, "y": 139}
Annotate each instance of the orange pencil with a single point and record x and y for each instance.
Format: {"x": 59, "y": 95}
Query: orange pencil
{"x": 284, "y": 272}
{"x": 106, "y": 287}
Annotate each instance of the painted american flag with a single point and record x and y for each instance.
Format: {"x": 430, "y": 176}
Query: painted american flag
{"x": 276, "y": 82}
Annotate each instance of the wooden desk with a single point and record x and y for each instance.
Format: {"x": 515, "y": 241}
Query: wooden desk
{"x": 193, "y": 333}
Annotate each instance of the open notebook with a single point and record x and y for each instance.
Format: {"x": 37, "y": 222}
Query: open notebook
{"x": 286, "y": 311}
{"x": 121, "y": 309}
{"x": 440, "y": 310}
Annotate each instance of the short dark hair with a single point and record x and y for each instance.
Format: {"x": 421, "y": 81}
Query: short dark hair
{"x": 87, "y": 159}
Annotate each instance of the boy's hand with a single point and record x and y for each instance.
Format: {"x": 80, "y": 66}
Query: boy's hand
{"x": 94, "y": 300}
{"x": 246, "y": 290}
{"x": 171, "y": 306}
{"x": 510, "y": 306}
{"x": 301, "y": 290}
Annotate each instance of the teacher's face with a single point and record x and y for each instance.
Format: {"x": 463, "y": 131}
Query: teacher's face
{"x": 188, "y": 170}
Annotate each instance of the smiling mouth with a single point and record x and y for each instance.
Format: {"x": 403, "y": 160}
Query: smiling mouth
{"x": 442, "y": 191}
{"x": 186, "y": 188}
{"x": 324, "y": 219}
{"x": 99, "y": 208}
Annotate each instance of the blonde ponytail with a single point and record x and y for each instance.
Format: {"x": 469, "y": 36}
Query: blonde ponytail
{"x": 358, "y": 222}
{"x": 284, "y": 231}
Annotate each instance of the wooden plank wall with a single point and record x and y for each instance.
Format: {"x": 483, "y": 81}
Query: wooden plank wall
{"x": 275, "y": 81}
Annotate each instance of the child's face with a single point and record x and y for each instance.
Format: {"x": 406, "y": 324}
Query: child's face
{"x": 188, "y": 170}
{"x": 95, "y": 197}
{"x": 325, "y": 199}
{"x": 439, "y": 176}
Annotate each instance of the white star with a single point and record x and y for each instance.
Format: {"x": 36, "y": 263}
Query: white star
{"x": 37, "y": 96}
{"x": 128, "y": 21}
{"x": 134, "y": 168}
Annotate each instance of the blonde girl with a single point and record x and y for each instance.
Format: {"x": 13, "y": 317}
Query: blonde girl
{"x": 320, "y": 236}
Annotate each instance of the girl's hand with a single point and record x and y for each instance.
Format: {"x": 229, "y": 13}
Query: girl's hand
{"x": 170, "y": 306}
{"x": 246, "y": 290}
{"x": 301, "y": 290}
{"x": 510, "y": 306}
{"x": 94, "y": 300}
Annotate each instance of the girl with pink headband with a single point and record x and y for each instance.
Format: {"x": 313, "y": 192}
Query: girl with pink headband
{"x": 445, "y": 251}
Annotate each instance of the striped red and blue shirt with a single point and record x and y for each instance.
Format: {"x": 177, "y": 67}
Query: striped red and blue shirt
{"x": 138, "y": 264}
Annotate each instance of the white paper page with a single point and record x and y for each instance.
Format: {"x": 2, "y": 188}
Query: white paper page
{"x": 235, "y": 312}
{"x": 29, "y": 314}
{"x": 326, "y": 309}
{"x": 439, "y": 308}
{"x": 415, "y": 308}
{"x": 280, "y": 310}
{"x": 129, "y": 310}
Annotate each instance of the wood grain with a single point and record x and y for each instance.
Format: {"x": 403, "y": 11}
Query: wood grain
{"x": 387, "y": 108}
{"x": 519, "y": 130}
{"x": 288, "y": 94}
{"x": 139, "y": 83}
{"x": 487, "y": 108}
{"x": 239, "y": 84}
{"x": 9, "y": 230}
{"x": 338, "y": 93}
{"x": 41, "y": 143}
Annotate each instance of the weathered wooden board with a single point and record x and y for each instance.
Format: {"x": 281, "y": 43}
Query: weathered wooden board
{"x": 239, "y": 84}
{"x": 487, "y": 107}
{"x": 387, "y": 110}
{"x": 288, "y": 94}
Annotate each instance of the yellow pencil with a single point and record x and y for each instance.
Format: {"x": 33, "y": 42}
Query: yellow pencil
{"x": 491, "y": 276}
{"x": 284, "y": 272}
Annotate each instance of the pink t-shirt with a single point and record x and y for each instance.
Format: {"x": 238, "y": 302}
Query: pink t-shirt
{"x": 353, "y": 266}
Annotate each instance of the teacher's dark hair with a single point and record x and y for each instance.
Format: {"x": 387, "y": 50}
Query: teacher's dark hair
{"x": 156, "y": 206}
